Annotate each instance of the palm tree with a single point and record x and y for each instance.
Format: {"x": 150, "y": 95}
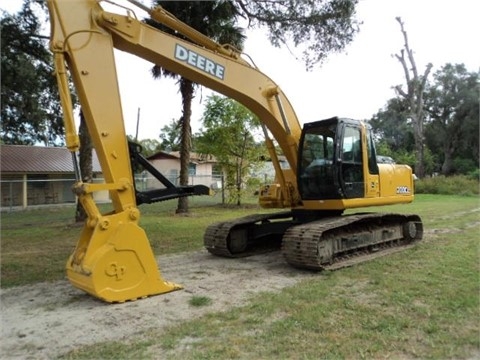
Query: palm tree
{"x": 85, "y": 163}
{"x": 215, "y": 19}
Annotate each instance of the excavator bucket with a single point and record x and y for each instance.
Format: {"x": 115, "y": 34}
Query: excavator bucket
{"x": 114, "y": 262}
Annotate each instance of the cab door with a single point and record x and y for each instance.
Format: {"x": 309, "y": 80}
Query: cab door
{"x": 316, "y": 166}
{"x": 351, "y": 162}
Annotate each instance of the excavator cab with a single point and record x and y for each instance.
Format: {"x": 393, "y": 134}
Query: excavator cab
{"x": 332, "y": 160}
{"x": 338, "y": 166}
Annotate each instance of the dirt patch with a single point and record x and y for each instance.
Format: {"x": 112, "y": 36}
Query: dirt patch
{"x": 45, "y": 320}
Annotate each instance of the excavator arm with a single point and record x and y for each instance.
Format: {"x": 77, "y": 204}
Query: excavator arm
{"x": 113, "y": 259}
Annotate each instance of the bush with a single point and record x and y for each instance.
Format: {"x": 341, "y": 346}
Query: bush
{"x": 453, "y": 185}
{"x": 474, "y": 175}
{"x": 464, "y": 166}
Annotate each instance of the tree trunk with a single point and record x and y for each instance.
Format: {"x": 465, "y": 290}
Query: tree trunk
{"x": 414, "y": 95}
{"x": 187, "y": 90}
{"x": 239, "y": 184}
{"x": 452, "y": 140}
{"x": 86, "y": 167}
{"x": 448, "y": 151}
{"x": 419, "y": 158}
{"x": 447, "y": 165}
{"x": 419, "y": 145}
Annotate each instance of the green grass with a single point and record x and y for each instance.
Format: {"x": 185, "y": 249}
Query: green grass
{"x": 199, "y": 301}
{"x": 37, "y": 243}
{"x": 452, "y": 185}
{"x": 420, "y": 303}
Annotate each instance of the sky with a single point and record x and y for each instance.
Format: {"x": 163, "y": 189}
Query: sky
{"x": 355, "y": 83}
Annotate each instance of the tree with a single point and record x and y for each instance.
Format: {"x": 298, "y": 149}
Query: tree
{"x": 228, "y": 135}
{"x": 31, "y": 110}
{"x": 320, "y": 27}
{"x": 85, "y": 163}
{"x": 149, "y": 146}
{"x": 390, "y": 125}
{"x": 451, "y": 115}
{"x": 215, "y": 20}
{"x": 414, "y": 96}
{"x": 452, "y": 106}
{"x": 170, "y": 136}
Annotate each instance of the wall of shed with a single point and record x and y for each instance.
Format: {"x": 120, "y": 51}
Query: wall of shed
{"x": 40, "y": 189}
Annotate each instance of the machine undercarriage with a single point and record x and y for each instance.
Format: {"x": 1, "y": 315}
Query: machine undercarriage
{"x": 325, "y": 244}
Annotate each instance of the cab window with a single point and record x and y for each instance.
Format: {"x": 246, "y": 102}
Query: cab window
{"x": 352, "y": 146}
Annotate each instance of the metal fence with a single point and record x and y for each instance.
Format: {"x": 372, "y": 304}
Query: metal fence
{"x": 17, "y": 193}
{"x": 30, "y": 192}
{"x": 22, "y": 193}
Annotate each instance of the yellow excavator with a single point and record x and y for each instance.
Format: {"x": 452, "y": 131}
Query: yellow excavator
{"x": 332, "y": 163}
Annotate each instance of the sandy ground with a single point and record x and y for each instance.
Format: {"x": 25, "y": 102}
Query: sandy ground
{"x": 45, "y": 320}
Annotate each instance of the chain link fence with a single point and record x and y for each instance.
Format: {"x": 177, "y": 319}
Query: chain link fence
{"x": 19, "y": 193}
{"x": 23, "y": 192}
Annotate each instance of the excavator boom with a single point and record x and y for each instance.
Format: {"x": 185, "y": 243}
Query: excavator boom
{"x": 113, "y": 259}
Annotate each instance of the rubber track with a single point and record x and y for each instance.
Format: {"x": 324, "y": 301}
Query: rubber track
{"x": 301, "y": 243}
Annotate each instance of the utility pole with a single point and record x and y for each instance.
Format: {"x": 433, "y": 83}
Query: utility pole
{"x": 138, "y": 124}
